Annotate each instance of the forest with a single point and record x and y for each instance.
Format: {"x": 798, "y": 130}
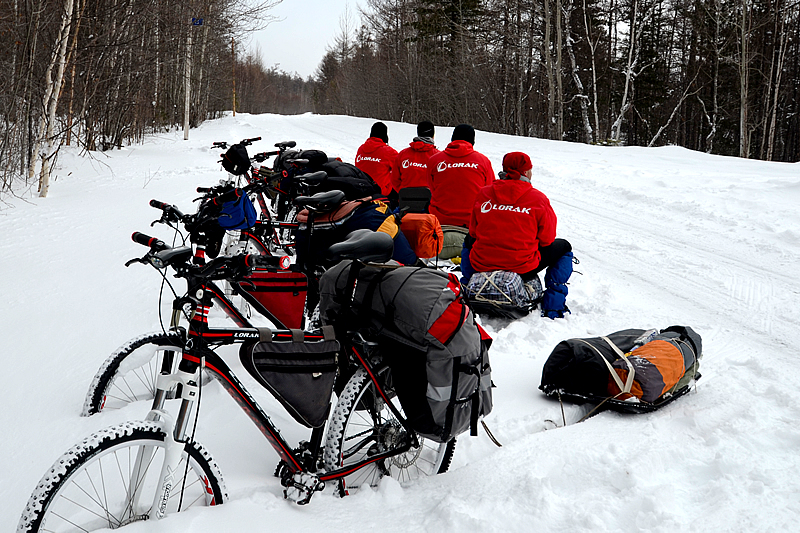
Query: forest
{"x": 719, "y": 76}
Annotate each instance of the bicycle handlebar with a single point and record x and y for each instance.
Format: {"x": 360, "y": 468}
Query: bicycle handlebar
{"x": 228, "y": 196}
{"x": 155, "y": 245}
{"x": 171, "y": 212}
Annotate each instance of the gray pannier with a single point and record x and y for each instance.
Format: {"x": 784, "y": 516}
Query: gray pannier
{"x": 428, "y": 335}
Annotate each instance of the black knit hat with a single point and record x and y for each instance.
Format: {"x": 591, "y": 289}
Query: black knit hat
{"x": 464, "y": 132}
{"x": 425, "y": 129}
{"x": 380, "y": 131}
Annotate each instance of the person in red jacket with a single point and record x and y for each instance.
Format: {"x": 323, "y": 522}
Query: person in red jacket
{"x": 377, "y": 158}
{"x": 456, "y": 175}
{"x": 411, "y": 168}
{"x": 513, "y": 227}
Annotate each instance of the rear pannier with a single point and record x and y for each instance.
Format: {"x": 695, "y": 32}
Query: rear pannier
{"x": 428, "y": 335}
{"x": 299, "y": 373}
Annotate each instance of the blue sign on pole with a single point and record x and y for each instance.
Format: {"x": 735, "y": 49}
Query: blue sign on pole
{"x": 197, "y": 21}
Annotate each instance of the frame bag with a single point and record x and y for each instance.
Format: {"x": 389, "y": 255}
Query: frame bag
{"x": 299, "y": 374}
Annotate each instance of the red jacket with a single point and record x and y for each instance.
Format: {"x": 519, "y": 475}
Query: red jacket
{"x": 411, "y": 169}
{"x": 456, "y": 175}
{"x": 510, "y": 221}
{"x": 377, "y": 159}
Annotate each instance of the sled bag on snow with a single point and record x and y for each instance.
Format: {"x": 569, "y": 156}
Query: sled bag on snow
{"x": 424, "y": 233}
{"x": 632, "y": 370}
{"x": 283, "y": 294}
{"x": 503, "y": 294}
{"x": 300, "y": 374}
{"x": 438, "y": 354}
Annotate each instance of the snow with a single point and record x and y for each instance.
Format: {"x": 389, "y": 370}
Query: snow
{"x": 664, "y": 236}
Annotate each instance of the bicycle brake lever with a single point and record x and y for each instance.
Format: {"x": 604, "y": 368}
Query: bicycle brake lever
{"x": 135, "y": 260}
{"x": 248, "y": 283}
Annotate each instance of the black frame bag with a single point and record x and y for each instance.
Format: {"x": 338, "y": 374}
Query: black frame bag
{"x": 299, "y": 374}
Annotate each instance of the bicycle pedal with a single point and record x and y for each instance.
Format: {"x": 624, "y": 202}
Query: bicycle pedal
{"x": 301, "y": 486}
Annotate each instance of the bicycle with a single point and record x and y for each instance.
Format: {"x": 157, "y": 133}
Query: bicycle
{"x": 151, "y": 462}
{"x": 273, "y": 231}
{"x": 130, "y": 373}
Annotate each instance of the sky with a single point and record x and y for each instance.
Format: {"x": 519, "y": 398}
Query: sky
{"x": 665, "y": 236}
{"x": 298, "y": 40}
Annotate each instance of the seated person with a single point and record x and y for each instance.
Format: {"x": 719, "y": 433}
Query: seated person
{"x": 513, "y": 227}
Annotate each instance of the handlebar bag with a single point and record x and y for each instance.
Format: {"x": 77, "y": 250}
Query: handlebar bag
{"x": 236, "y": 160}
{"x": 238, "y": 214}
{"x": 300, "y": 374}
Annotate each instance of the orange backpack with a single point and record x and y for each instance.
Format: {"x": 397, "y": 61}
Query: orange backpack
{"x": 424, "y": 234}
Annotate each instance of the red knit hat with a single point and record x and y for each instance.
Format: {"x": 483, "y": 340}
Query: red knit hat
{"x": 515, "y": 163}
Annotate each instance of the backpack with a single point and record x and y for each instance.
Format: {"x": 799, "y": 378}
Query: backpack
{"x": 345, "y": 177}
{"x": 503, "y": 294}
{"x": 632, "y": 370}
{"x": 438, "y": 354}
{"x": 453, "y": 241}
{"x": 235, "y": 160}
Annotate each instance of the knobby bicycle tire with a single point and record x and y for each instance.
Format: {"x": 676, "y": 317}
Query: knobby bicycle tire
{"x": 362, "y": 425}
{"x": 89, "y": 487}
{"x": 129, "y": 374}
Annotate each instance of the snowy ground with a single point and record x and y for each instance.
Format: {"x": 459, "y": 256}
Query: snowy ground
{"x": 664, "y": 235}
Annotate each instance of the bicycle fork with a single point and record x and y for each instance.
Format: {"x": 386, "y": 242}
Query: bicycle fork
{"x": 175, "y": 431}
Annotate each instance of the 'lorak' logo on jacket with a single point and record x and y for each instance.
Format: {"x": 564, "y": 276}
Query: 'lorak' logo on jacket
{"x": 367, "y": 158}
{"x": 489, "y": 206}
{"x": 444, "y": 165}
{"x": 408, "y": 163}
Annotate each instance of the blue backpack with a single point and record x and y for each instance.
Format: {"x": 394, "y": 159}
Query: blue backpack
{"x": 238, "y": 214}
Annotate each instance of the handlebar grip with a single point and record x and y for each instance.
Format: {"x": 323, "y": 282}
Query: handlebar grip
{"x": 158, "y": 205}
{"x": 254, "y": 139}
{"x": 282, "y": 262}
{"x": 146, "y": 240}
{"x": 204, "y": 190}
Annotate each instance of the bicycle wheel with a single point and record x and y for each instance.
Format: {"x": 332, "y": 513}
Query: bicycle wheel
{"x": 109, "y": 480}
{"x": 362, "y": 425}
{"x": 129, "y": 374}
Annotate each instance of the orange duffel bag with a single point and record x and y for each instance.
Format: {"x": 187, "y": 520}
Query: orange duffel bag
{"x": 424, "y": 233}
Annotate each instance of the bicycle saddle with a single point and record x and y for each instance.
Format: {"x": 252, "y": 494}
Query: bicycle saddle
{"x": 365, "y": 245}
{"x": 286, "y": 144}
{"x": 322, "y": 201}
{"x": 313, "y": 178}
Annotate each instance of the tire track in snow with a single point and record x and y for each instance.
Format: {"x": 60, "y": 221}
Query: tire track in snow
{"x": 744, "y": 292}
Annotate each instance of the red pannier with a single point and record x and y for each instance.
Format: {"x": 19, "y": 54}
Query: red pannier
{"x": 281, "y": 294}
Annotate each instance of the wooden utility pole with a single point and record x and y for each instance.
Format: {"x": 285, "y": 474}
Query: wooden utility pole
{"x": 187, "y": 75}
{"x": 233, "y": 75}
